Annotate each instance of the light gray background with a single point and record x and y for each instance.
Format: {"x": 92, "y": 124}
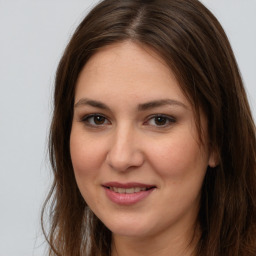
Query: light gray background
{"x": 33, "y": 34}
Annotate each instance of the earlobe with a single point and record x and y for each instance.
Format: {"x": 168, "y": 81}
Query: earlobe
{"x": 214, "y": 159}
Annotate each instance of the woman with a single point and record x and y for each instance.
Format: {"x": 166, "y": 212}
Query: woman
{"x": 152, "y": 140}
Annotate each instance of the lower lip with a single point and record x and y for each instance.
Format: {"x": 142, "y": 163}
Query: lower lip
{"x": 127, "y": 199}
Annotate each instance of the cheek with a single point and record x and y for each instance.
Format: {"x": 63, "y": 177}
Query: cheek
{"x": 178, "y": 157}
{"x": 86, "y": 155}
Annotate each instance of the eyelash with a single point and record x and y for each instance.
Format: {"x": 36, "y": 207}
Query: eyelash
{"x": 86, "y": 120}
{"x": 167, "y": 120}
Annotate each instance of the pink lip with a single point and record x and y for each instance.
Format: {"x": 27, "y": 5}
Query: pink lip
{"x": 127, "y": 185}
{"x": 127, "y": 199}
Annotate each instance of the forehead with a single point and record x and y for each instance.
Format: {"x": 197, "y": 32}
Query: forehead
{"x": 130, "y": 68}
{"x": 126, "y": 52}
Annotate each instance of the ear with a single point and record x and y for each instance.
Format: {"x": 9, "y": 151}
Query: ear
{"x": 214, "y": 159}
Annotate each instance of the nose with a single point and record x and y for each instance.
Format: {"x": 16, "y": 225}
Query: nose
{"x": 125, "y": 151}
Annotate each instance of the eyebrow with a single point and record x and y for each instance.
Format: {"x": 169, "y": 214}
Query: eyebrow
{"x": 159, "y": 103}
{"x": 93, "y": 103}
{"x": 141, "y": 107}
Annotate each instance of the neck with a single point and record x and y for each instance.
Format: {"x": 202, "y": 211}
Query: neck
{"x": 165, "y": 244}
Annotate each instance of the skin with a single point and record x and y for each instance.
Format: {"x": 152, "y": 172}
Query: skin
{"x": 127, "y": 143}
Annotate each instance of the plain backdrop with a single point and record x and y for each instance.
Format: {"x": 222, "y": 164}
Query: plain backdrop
{"x": 33, "y": 35}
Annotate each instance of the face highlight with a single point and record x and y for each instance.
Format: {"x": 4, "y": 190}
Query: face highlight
{"x": 134, "y": 144}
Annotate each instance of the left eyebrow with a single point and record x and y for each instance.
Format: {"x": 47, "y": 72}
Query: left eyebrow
{"x": 159, "y": 103}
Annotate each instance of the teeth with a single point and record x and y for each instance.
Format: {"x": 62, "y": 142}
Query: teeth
{"x": 136, "y": 190}
{"x": 121, "y": 190}
{"x": 127, "y": 190}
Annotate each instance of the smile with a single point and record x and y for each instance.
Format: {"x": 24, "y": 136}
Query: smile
{"x": 127, "y": 190}
{"x": 127, "y": 194}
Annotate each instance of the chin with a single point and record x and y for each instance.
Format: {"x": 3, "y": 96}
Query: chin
{"x": 130, "y": 232}
{"x": 134, "y": 228}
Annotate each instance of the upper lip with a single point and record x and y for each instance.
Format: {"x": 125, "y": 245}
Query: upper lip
{"x": 127, "y": 185}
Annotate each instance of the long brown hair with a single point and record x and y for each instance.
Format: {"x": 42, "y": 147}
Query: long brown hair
{"x": 192, "y": 42}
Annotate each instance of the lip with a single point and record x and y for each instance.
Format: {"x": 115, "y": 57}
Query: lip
{"x": 127, "y": 185}
{"x": 127, "y": 199}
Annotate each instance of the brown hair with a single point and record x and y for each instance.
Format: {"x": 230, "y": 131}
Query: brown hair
{"x": 192, "y": 42}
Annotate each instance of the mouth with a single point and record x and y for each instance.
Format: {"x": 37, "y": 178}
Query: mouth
{"x": 127, "y": 193}
{"x": 128, "y": 190}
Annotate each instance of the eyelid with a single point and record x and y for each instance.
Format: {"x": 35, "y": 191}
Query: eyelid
{"x": 170, "y": 119}
{"x": 84, "y": 119}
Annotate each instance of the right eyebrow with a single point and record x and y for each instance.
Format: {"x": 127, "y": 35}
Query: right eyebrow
{"x": 93, "y": 103}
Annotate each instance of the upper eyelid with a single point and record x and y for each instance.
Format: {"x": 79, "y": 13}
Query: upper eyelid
{"x": 169, "y": 122}
{"x": 92, "y": 115}
{"x": 89, "y": 115}
{"x": 147, "y": 119}
{"x": 84, "y": 118}
{"x": 161, "y": 115}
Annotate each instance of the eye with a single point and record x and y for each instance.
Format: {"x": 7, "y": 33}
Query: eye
{"x": 95, "y": 120}
{"x": 160, "y": 120}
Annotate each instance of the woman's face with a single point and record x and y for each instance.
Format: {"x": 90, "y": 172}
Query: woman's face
{"x": 134, "y": 144}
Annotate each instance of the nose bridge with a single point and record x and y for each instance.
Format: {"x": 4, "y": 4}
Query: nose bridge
{"x": 125, "y": 151}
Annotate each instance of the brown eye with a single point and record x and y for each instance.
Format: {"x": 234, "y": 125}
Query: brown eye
{"x": 99, "y": 120}
{"x": 95, "y": 120}
{"x": 160, "y": 120}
